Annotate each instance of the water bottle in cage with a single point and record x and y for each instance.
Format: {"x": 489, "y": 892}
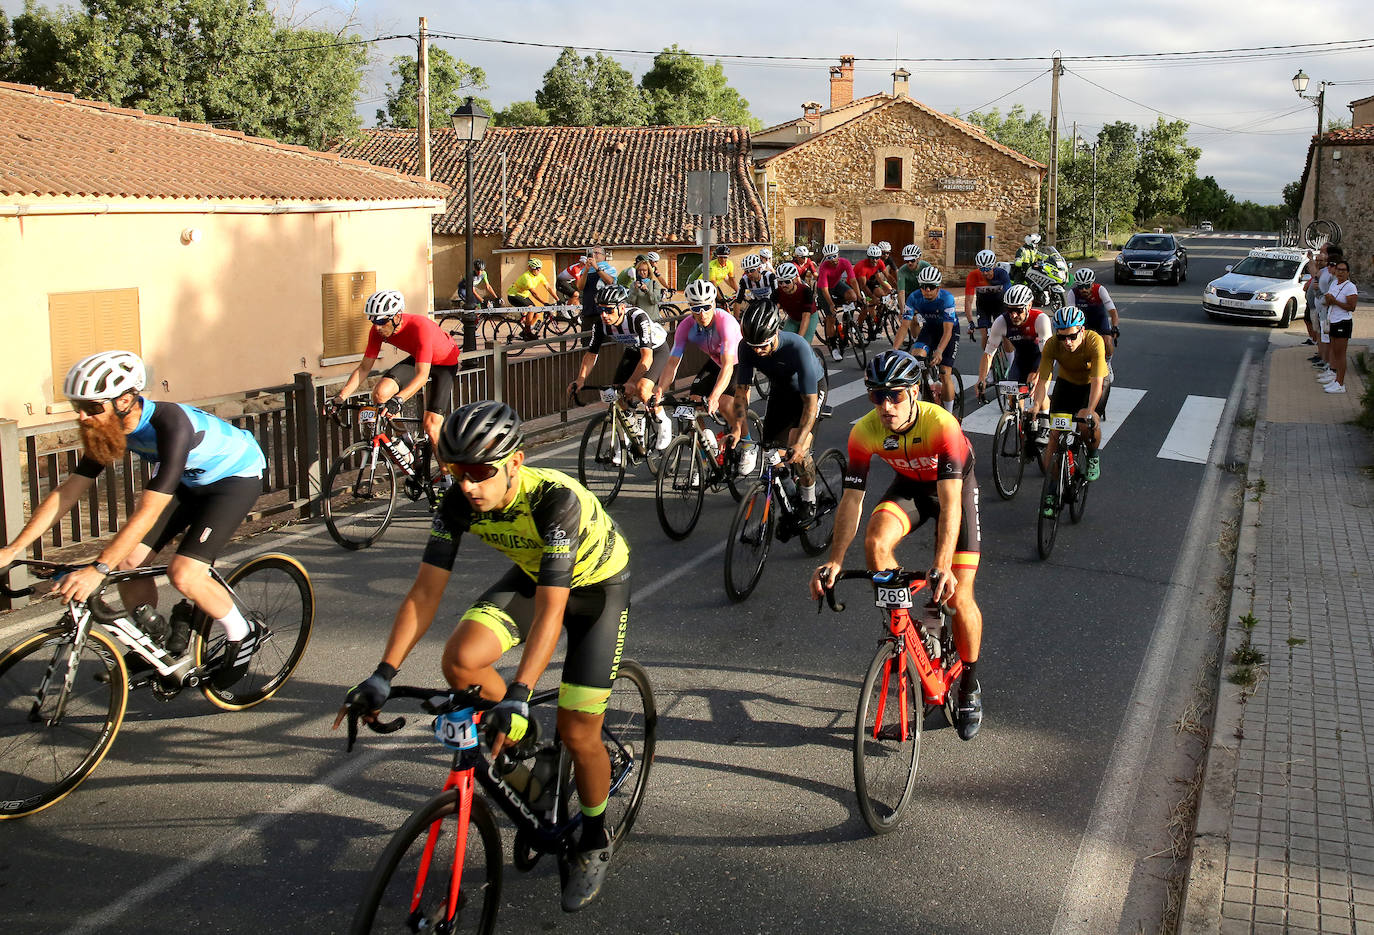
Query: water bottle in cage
{"x": 711, "y": 443}
{"x": 399, "y": 448}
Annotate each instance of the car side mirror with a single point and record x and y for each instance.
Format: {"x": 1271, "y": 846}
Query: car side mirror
{"x": 1228, "y": 269}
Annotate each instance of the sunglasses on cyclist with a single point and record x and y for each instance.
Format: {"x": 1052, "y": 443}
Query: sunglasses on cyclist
{"x": 1071, "y": 335}
{"x": 89, "y": 407}
{"x": 878, "y": 397}
{"x": 927, "y": 287}
{"x": 702, "y": 309}
{"x": 473, "y": 472}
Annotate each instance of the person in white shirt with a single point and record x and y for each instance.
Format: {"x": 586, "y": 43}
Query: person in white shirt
{"x": 1320, "y": 284}
{"x": 1340, "y": 301}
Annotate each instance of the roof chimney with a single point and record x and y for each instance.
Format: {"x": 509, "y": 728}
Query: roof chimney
{"x": 899, "y": 82}
{"x": 842, "y": 82}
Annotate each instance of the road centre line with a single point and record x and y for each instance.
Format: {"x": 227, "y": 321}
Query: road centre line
{"x": 1095, "y": 894}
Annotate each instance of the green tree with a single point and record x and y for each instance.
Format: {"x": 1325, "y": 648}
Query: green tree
{"x": 682, "y": 89}
{"x": 230, "y": 63}
{"x": 1028, "y": 135}
{"x": 1167, "y": 162}
{"x": 521, "y": 114}
{"x": 591, "y": 91}
{"x": 1205, "y": 200}
{"x": 1117, "y": 189}
{"x": 451, "y": 81}
{"x": 1291, "y": 193}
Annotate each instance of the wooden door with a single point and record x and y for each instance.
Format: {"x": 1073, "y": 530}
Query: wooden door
{"x": 896, "y": 232}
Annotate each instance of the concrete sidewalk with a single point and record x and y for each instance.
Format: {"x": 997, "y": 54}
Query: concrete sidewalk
{"x": 1285, "y": 832}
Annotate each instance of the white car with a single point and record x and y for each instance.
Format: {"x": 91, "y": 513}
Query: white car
{"x": 1265, "y": 286}
{"x": 1205, "y": 226}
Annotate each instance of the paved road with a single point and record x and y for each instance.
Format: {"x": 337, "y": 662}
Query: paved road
{"x": 205, "y": 821}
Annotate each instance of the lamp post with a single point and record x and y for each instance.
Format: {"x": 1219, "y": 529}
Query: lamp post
{"x": 469, "y": 124}
{"x": 1319, "y": 99}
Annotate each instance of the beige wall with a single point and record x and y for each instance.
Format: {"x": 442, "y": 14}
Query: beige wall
{"x": 1347, "y": 199}
{"x": 238, "y": 309}
{"x": 839, "y": 178}
{"x": 449, "y": 253}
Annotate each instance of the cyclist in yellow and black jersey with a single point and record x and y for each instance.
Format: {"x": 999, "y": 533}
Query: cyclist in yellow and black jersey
{"x": 571, "y": 571}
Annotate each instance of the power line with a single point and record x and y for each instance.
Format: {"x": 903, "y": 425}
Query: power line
{"x": 1037, "y": 76}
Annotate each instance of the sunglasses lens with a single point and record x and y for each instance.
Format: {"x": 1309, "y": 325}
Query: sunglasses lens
{"x": 90, "y": 407}
{"x": 474, "y": 472}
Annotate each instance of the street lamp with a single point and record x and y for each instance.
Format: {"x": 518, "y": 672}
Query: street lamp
{"x": 469, "y": 124}
{"x": 1300, "y": 81}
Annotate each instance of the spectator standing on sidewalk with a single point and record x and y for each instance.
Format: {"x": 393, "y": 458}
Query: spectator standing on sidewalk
{"x": 1323, "y": 280}
{"x": 1340, "y": 303}
{"x": 597, "y": 272}
{"x": 1316, "y": 262}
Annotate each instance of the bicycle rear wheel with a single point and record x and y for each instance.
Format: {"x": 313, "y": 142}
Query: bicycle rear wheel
{"x": 887, "y": 740}
{"x": 746, "y": 550}
{"x": 1051, "y": 493}
{"x": 601, "y": 459}
{"x": 681, "y": 487}
{"x": 275, "y": 595}
{"x": 359, "y": 496}
{"x": 42, "y": 759}
{"x": 409, "y": 887}
{"x": 829, "y": 489}
{"x": 958, "y": 400}
{"x": 1079, "y": 482}
{"x": 1008, "y": 456}
{"x": 630, "y": 733}
{"x": 506, "y": 333}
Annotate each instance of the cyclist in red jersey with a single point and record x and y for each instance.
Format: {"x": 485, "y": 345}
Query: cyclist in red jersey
{"x": 801, "y": 258}
{"x": 432, "y": 358}
{"x": 871, "y": 276}
{"x": 834, "y": 284}
{"x": 933, "y": 461}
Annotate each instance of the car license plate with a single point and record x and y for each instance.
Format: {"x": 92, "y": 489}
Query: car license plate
{"x": 1231, "y": 303}
{"x": 893, "y": 597}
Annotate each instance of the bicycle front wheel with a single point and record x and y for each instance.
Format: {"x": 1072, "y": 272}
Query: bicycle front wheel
{"x": 958, "y": 399}
{"x": 887, "y": 740}
{"x": 359, "y": 496}
{"x": 1008, "y": 456}
{"x": 858, "y": 341}
{"x": 45, "y": 754}
{"x": 629, "y": 732}
{"x": 829, "y": 489}
{"x": 681, "y": 487}
{"x": 1047, "y": 521}
{"x": 409, "y": 888}
{"x": 276, "y": 597}
{"x": 1079, "y": 482}
{"x": 601, "y": 459}
{"x": 746, "y": 551}
{"x": 739, "y": 483}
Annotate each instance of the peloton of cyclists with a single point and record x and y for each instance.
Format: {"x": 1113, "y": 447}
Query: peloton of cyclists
{"x": 938, "y": 339}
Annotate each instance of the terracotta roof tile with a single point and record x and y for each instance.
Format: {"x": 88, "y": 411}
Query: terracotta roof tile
{"x": 1351, "y": 135}
{"x": 56, "y": 144}
{"x": 572, "y": 186}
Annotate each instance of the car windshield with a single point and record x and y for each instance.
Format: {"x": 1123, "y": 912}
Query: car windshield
{"x": 1148, "y": 242}
{"x": 1267, "y": 267}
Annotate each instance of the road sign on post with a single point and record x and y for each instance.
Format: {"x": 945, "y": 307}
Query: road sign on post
{"x": 708, "y": 194}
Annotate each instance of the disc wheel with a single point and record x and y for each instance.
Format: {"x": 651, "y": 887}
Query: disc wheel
{"x": 359, "y": 496}
{"x": 1008, "y": 456}
{"x": 681, "y": 487}
{"x": 43, "y": 757}
{"x": 887, "y": 740}
{"x": 275, "y": 596}
{"x": 629, "y": 733}
{"x": 829, "y": 488}
{"x": 597, "y": 467}
{"x": 746, "y": 550}
{"x": 418, "y": 867}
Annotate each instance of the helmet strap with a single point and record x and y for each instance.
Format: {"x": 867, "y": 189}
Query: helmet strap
{"x": 127, "y": 412}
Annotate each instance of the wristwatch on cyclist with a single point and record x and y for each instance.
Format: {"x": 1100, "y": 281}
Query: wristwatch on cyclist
{"x": 101, "y": 567}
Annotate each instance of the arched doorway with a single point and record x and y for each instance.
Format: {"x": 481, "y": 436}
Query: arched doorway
{"x": 895, "y": 231}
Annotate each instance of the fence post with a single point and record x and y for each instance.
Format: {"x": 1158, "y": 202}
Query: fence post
{"x": 498, "y": 372}
{"x": 11, "y": 502}
{"x": 307, "y": 443}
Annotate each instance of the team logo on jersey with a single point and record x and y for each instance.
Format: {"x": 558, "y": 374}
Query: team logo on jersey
{"x": 891, "y": 443}
{"x": 556, "y": 539}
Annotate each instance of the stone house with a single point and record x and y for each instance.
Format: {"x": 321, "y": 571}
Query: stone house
{"x": 1347, "y": 192}
{"x": 549, "y": 192}
{"x": 228, "y": 262}
{"x": 887, "y": 167}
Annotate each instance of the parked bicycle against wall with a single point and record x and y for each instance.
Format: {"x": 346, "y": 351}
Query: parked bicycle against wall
{"x": 64, "y": 689}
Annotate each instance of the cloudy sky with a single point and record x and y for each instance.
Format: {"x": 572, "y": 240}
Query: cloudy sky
{"x": 1251, "y": 126}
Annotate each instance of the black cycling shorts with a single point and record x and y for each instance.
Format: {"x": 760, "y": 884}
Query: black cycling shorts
{"x": 925, "y": 504}
{"x": 595, "y": 621}
{"x": 930, "y": 336}
{"x": 1098, "y": 319}
{"x": 209, "y": 516}
{"x": 784, "y": 414}
{"x": 439, "y": 389}
{"x": 705, "y": 380}
{"x": 628, "y": 362}
{"x": 839, "y": 292}
{"x": 1071, "y": 397}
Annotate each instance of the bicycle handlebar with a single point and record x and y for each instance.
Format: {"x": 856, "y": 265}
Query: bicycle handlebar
{"x": 435, "y": 701}
{"x": 852, "y": 574}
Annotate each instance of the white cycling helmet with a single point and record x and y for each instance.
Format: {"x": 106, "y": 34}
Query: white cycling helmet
{"x": 384, "y": 306}
{"x": 700, "y": 292}
{"x": 800, "y": 251}
{"x": 535, "y": 263}
{"x": 884, "y": 246}
{"x": 930, "y": 276}
{"x": 874, "y": 251}
{"x": 788, "y": 272}
{"x": 1083, "y": 276}
{"x": 1018, "y": 296}
{"x": 752, "y": 262}
{"x": 766, "y": 252}
{"x": 911, "y": 252}
{"x": 1032, "y": 239}
{"x": 652, "y": 257}
{"x": 985, "y": 259}
{"x": 103, "y": 376}
{"x": 830, "y": 251}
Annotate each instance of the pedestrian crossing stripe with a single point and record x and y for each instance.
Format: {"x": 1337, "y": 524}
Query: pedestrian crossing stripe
{"x": 1120, "y": 404}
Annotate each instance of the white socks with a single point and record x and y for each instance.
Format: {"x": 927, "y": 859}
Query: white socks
{"x": 235, "y": 627}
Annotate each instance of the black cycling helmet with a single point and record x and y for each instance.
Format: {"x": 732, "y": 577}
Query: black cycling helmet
{"x": 891, "y": 370}
{"x": 721, "y": 250}
{"x": 759, "y": 323}
{"x": 479, "y": 264}
{"x": 480, "y": 433}
{"x": 611, "y": 294}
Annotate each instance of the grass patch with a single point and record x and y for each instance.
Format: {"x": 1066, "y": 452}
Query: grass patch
{"x": 1258, "y": 487}
{"x": 1249, "y": 622}
{"x": 1246, "y": 419}
{"x": 1296, "y": 641}
{"x": 1244, "y": 676}
{"x": 1246, "y": 655}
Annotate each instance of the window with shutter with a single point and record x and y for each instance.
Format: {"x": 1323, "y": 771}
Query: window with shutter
{"x": 82, "y": 323}
{"x": 343, "y": 296}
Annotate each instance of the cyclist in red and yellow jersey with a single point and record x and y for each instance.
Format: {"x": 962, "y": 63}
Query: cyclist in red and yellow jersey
{"x": 933, "y": 461}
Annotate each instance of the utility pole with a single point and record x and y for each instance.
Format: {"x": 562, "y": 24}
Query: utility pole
{"x": 1052, "y": 201}
{"x": 422, "y": 67}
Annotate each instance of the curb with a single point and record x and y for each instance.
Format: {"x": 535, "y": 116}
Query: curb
{"x": 1201, "y": 913}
